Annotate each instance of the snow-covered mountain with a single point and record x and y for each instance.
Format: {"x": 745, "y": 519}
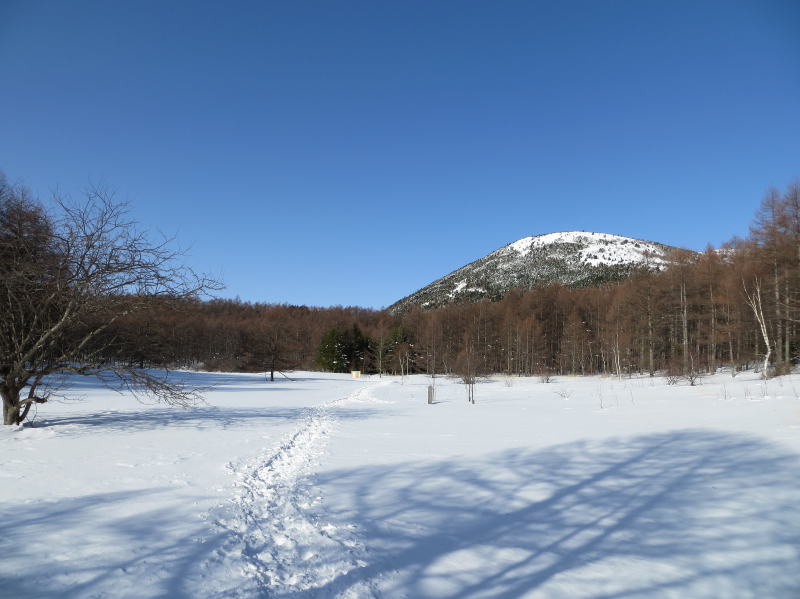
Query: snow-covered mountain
{"x": 573, "y": 258}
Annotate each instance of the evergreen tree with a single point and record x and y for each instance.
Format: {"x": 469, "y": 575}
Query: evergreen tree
{"x": 332, "y": 354}
{"x": 343, "y": 351}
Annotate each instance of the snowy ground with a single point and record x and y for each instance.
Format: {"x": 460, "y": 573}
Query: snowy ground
{"x": 330, "y": 487}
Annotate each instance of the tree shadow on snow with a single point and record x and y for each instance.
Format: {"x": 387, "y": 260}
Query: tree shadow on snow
{"x": 687, "y": 513}
{"x": 103, "y": 552}
{"x": 213, "y": 381}
{"x": 152, "y": 418}
{"x": 680, "y": 514}
{"x": 201, "y": 417}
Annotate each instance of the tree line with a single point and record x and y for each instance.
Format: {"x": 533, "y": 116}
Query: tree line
{"x": 82, "y": 291}
{"x": 737, "y": 306}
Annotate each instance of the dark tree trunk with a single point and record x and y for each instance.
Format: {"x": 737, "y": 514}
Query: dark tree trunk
{"x": 11, "y": 413}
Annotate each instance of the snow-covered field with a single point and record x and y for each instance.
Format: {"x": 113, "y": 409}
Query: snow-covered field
{"x": 326, "y": 486}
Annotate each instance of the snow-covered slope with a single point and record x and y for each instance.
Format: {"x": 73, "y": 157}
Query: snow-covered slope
{"x": 573, "y": 258}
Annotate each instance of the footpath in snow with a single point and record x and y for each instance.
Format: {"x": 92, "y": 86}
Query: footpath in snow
{"x": 286, "y": 547}
{"x": 329, "y": 487}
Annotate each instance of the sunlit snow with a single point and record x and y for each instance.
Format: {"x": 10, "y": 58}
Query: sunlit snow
{"x": 325, "y": 486}
{"x": 596, "y": 248}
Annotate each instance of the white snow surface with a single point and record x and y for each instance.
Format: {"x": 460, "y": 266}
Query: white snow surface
{"x": 597, "y": 248}
{"x": 459, "y": 288}
{"x": 324, "y": 486}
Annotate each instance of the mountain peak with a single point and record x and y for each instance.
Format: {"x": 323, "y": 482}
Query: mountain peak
{"x": 572, "y": 258}
{"x": 595, "y": 248}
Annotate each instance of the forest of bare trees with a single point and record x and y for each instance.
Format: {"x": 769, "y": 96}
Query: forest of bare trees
{"x": 735, "y": 307}
{"x": 76, "y": 304}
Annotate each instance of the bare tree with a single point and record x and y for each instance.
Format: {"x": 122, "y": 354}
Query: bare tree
{"x": 467, "y": 366}
{"x": 277, "y": 341}
{"x": 66, "y": 277}
{"x": 753, "y": 300}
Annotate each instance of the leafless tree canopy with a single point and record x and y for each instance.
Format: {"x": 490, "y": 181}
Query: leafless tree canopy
{"x": 67, "y": 276}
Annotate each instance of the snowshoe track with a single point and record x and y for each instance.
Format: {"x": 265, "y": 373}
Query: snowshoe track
{"x": 287, "y": 547}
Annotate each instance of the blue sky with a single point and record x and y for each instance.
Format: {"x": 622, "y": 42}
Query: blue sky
{"x": 351, "y": 152}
